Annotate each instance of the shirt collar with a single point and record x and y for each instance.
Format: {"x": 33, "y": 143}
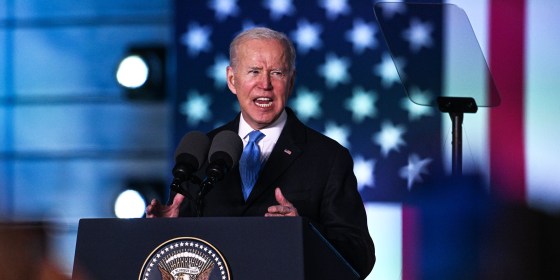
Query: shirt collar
{"x": 271, "y": 132}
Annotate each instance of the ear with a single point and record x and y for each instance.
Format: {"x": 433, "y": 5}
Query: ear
{"x": 231, "y": 79}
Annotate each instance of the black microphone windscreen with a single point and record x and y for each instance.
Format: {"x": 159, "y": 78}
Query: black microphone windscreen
{"x": 193, "y": 147}
{"x": 226, "y": 146}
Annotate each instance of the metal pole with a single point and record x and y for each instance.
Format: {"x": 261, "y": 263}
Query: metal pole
{"x": 457, "y": 143}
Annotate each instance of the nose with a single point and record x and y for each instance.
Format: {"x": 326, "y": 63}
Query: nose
{"x": 265, "y": 81}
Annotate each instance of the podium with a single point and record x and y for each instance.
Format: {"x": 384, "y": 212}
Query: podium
{"x": 251, "y": 248}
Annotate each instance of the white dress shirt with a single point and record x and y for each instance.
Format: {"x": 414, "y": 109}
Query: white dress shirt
{"x": 271, "y": 132}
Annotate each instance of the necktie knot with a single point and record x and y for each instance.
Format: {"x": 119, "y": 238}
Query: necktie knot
{"x": 255, "y": 136}
{"x": 250, "y": 162}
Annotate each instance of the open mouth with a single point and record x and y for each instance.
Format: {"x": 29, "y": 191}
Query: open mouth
{"x": 263, "y": 102}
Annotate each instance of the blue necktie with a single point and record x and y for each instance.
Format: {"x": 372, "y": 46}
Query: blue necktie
{"x": 250, "y": 162}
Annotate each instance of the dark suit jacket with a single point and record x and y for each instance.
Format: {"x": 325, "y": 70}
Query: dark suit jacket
{"x": 315, "y": 173}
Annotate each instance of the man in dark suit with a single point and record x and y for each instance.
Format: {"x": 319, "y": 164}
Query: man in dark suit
{"x": 303, "y": 173}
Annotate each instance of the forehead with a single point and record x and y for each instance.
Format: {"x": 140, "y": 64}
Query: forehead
{"x": 268, "y": 51}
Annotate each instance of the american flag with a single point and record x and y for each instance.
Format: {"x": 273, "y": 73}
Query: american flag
{"x": 347, "y": 87}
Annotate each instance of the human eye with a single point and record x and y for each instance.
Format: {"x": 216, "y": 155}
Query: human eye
{"x": 253, "y": 71}
{"x": 277, "y": 73}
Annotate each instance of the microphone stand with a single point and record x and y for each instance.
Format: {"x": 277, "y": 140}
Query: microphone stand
{"x": 177, "y": 186}
{"x": 215, "y": 172}
{"x": 205, "y": 187}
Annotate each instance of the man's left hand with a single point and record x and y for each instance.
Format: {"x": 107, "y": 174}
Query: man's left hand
{"x": 284, "y": 207}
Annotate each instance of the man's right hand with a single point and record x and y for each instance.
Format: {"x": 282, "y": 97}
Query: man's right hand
{"x": 158, "y": 210}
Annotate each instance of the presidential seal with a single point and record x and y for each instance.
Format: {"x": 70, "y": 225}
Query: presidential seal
{"x": 185, "y": 258}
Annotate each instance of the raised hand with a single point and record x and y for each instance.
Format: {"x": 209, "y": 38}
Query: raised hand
{"x": 284, "y": 207}
{"x": 157, "y": 210}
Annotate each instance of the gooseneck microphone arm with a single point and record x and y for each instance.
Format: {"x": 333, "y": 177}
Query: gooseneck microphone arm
{"x": 215, "y": 173}
{"x": 177, "y": 184}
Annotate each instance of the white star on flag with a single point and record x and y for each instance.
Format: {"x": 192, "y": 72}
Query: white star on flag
{"x": 362, "y": 36}
{"x": 393, "y": 8}
{"x": 306, "y": 104}
{"x": 306, "y": 36}
{"x": 196, "y": 39}
{"x": 224, "y": 8}
{"x": 414, "y": 170}
{"x": 335, "y": 8}
{"x": 418, "y": 35}
{"x": 364, "y": 170}
{"x": 279, "y": 8}
{"x": 390, "y": 137}
{"x": 335, "y": 70}
{"x": 387, "y": 71}
{"x": 338, "y": 133}
{"x": 361, "y": 104}
{"x": 196, "y": 108}
{"x": 416, "y": 104}
{"x": 217, "y": 71}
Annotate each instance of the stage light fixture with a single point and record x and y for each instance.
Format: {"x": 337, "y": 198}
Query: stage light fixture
{"x": 133, "y": 198}
{"x": 142, "y": 73}
{"x": 130, "y": 204}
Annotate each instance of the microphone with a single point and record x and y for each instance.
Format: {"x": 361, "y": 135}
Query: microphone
{"x": 189, "y": 156}
{"x": 224, "y": 154}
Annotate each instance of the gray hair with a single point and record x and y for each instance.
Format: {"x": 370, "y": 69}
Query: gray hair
{"x": 265, "y": 34}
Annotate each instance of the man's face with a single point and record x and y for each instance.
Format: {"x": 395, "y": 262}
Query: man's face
{"x": 262, "y": 81}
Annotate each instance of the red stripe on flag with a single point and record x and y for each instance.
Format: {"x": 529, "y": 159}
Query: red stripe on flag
{"x": 506, "y": 129}
{"x": 410, "y": 243}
